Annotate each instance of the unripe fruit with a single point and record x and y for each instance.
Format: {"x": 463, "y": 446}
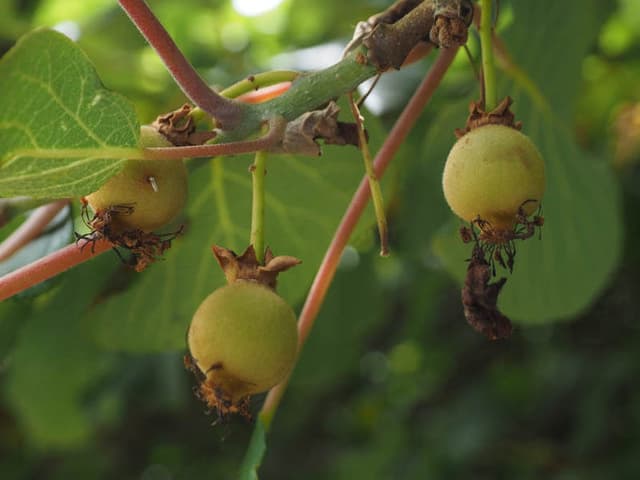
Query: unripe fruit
{"x": 156, "y": 189}
{"x": 243, "y": 338}
{"x": 491, "y": 173}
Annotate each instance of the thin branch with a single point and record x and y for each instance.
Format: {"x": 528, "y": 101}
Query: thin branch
{"x": 488, "y": 68}
{"x": 276, "y": 130}
{"x": 226, "y": 112}
{"x": 327, "y": 269}
{"x": 258, "y": 172}
{"x": 30, "y": 228}
{"x": 50, "y": 266}
{"x": 374, "y": 184}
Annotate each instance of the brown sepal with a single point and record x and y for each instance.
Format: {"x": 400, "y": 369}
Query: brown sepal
{"x": 145, "y": 247}
{"x": 501, "y": 115}
{"x": 246, "y": 266}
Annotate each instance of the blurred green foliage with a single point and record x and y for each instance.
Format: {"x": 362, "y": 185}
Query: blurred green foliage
{"x": 392, "y": 384}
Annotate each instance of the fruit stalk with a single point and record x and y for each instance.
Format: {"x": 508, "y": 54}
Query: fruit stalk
{"x": 488, "y": 67}
{"x": 50, "y": 266}
{"x": 374, "y": 184}
{"x": 258, "y": 171}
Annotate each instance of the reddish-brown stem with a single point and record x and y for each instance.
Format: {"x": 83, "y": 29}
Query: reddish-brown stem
{"x": 30, "y": 228}
{"x": 226, "y": 112}
{"x": 50, "y": 266}
{"x": 329, "y": 264}
{"x": 276, "y": 129}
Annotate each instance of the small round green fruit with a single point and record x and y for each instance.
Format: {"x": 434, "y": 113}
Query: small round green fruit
{"x": 492, "y": 172}
{"x": 244, "y": 339}
{"x": 156, "y": 189}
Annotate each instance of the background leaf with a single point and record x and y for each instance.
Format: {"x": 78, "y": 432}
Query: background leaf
{"x": 61, "y": 133}
{"x": 54, "y": 363}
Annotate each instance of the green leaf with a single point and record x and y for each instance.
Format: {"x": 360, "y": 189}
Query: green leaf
{"x": 255, "y": 452}
{"x": 563, "y": 273}
{"x": 304, "y": 202}
{"x": 12, "y": 318}
{"x": 62, "y": 133}
{"x": 356, "y": 295}
{"x": 54, "y": 364}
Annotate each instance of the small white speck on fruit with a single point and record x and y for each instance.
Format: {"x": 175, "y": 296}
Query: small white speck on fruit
{"x": 154, "y": 184}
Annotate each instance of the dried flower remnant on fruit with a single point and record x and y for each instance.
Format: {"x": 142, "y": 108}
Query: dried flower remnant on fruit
{"x": 145, "y": 247}
{"x": 214, "y": 397}
{"x": 217, "y": 399}
{"x": 499, "y": 243}
{"x": 480, "y": 298}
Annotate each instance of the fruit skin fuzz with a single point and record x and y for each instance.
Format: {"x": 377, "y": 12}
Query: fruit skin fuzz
{"x": 491, "y": 173}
